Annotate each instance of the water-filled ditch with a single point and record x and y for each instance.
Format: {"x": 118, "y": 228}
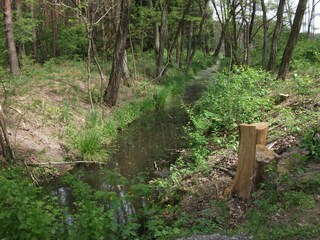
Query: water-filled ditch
{"x": 148, "y": 146}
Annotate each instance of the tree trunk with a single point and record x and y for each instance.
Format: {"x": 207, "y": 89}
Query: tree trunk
{"x": 292, "y": 41}
{"x": 54, "y": 28}
{"x": 218, "y": 48}
{"x": 276, "y": 36}
{"x": 312, "y": 16}
{"x": 197, "y": 40}
{"x": 126, "y": 73}
{"x": 18, "y": 7}
{"x": 156, "y": 36}
{"x": 190, "y": 36}
{"x": 34, "y": 33}
{"x": 265, "y": 33}
{"x": 8, "y": 26}
{"x": 111, "y": 93}
{"x": 180, "y": 26}
{"x": 181, "y": 44}
{"x": 163, "y": 38}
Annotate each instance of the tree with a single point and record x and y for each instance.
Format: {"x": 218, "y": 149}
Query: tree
{"x": 111, "y": 93}
{"x": 8, "y": 26}
{"x": 276, "y": 36}
{"x": 312, "y": 15}
{"x": 265, "y": 32}
{"x": 54, "y": 28}
{"x": 162, "y": 38}
{"x": 292, "y": 41}
{"x": 203, "y": 6}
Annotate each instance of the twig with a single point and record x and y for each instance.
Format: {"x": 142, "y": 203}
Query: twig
{"x": 34, "y": 179}
{"x": 224, "y": 170}
{"x": 160, "y": 75}
{"x": 16, "y": 110}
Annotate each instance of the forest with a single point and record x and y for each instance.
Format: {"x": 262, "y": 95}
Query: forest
{"x": 160, "y": 119}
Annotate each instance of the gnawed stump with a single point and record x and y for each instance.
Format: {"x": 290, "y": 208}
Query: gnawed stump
{"x": 264, "y": 157}
{"x": 253, "y": 158}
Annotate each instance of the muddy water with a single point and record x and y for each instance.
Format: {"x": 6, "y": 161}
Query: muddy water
{"x": 149, "y": 144}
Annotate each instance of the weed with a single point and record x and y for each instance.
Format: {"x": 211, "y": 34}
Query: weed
{"x": 298, "y": 199}
{"x": 311, "y": 142}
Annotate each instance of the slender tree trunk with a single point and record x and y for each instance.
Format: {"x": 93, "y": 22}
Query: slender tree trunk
{"x": 54, "y": 28}
{"x": 8, "y": 26}
{"x": 163, "y": 38}
{"x": 18, "y": 7}
{"x": 189, "y": 48}
{"x": 265, "y": 33}
{"x": 289, "y": 9}
{"x": 178, "y": 48}
{"x": 312, "y": 16}
{"x": 276, "y": 36}
{"x": 126, "y": 73}
{"x": 156, "y": 36}
{"x": 197, "y": 40}
{"x": 218, "y": 48}
{"x": 180, "y": 25}
{"x": 292, "y": 41}
{"x": 253, "y": 14}
{"x": 111, "y": 93}
{"x": 234, "y": 27}
{"x": 181, "y": 46}
{"x": 34, "y": 33}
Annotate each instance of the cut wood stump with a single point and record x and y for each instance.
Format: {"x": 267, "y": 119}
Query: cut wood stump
{"x": 253, "y": 158}
{"x": 6, "y": 148}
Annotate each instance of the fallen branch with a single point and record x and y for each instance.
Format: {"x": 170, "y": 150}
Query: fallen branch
{"x": 65, "y": 163}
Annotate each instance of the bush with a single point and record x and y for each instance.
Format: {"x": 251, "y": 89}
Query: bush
{"x": 25, "y": 213}
{"x": 311, "y": 142}
{"x": 237, "y": 97}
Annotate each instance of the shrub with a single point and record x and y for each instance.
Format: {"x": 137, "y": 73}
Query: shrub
{"x": 311, "y": 142}
{"x": 237, "y": 97}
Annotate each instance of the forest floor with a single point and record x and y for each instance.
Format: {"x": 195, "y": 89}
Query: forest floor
{"x": 295, "y": 181}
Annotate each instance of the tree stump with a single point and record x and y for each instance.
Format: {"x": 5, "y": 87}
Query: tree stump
{"x": 7, "y": 151}
{"x": 250, "y": 172}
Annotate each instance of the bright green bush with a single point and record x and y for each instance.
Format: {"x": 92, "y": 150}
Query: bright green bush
{"x": 236, "y": 97}
{"x": 24, "y": 212}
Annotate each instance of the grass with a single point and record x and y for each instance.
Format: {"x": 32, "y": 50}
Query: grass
{"x": 59, "y": 101}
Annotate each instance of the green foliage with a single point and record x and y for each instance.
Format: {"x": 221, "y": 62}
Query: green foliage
{"x": 237, "y": 97}
{"x": 261, "y": 221}
{"x": 311, "y": 142}
{"x": 201, "y": 61}
{"x": 72, "y": 41}
{"x": 25, "y": 213}
{"x": 298, "y": 199}
{"x": 23, "y": 27}
{"x": 91, "y": 219}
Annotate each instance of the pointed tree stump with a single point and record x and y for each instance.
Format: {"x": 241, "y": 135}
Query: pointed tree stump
{"x": 7, "y": 151}
{"x": 252, "y": 137}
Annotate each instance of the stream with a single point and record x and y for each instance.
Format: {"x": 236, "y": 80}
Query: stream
{"x": 148, "y": 146}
